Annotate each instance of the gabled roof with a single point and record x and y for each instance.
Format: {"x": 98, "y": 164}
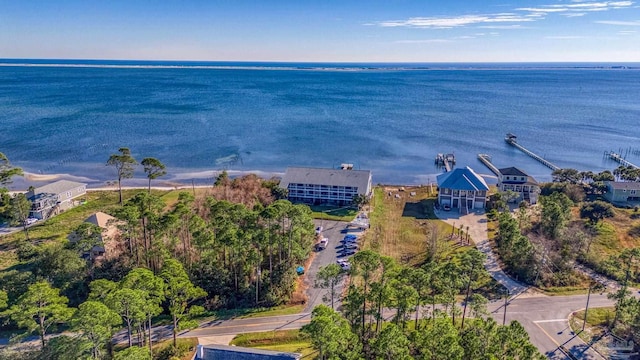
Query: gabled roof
{"x": 624, "y": 185}
{"x": 512, "y": 171}
{"x": 329, "y": 177}
{"x": 462, "y": 179}
{"x": 58, "y": 187}
{"x": 100, "y": 219}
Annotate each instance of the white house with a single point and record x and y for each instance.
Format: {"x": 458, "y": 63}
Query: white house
{"x": 325, "y": 186}
{"x": 517, "y": 181}
{"x": 462, "y": 188}
{"x": 50, "y": 199}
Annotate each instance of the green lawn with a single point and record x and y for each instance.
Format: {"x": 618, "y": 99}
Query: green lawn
{"x": 333, "y": 213}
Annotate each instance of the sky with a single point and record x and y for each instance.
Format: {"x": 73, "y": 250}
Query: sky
{"x": 323, "y": 31}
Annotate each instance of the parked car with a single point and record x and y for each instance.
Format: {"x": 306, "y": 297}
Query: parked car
{"x": 319, "y": 230}
{"x": 31, "y": 221}
{"x": 351, "y": 236}
{"x": 346, "y": 252}
{"x": 351, "y": 246}
{"x": 345, "y": 241}
{"x": 322, "y": 244}
{"x": 446, "y": 207}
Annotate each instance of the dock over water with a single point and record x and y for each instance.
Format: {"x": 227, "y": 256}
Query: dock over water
{"x": 446, "y": 160}
{"x": 511, "y": 140}
{"x": 619, "y": 159}
{"x": 486, "y": 160}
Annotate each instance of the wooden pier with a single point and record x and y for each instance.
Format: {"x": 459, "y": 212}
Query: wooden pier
{"x": 446, "y": 160}
{"x": 511, "y": 140}
{"x": 619, "y": 159}
{"x": 486, "y": 160}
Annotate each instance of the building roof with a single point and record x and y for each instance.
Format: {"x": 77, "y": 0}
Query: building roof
{"x": 215, "y": 352}
{"x": 512, "y": 171}
{"x": 330, "y": 177}
{"x": 100, "y": 219}
{"x": 462, "y": 179}
{"x": 58, "y": 187}
{"x": 624, "y": 185}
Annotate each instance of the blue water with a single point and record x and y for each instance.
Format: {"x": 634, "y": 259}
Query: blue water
{"x": 391, "y": 118}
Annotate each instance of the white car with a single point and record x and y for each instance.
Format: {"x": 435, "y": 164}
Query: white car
{"x": 31, "y": 221}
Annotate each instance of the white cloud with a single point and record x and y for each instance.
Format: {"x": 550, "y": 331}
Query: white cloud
{"x": 573, "y": 14}
{"x": 627, "y": 32}
{"x": 619, "y": 23}
{"x": 516, "y": 26}
{"x": 454, "y": 21}
{"x": 578, "y": 7}
{"x": 425, "y": 41}
{"x": 565, "y": 37}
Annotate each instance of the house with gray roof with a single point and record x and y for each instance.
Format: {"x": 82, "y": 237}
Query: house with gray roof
{"x": 318, "y": 186}
{"x": 51, "y": 199}
{"x": 622, "y": 192}
{"x": 517, "y": 181}
{"x": 463, "y": 189}
{"x": 223, "y": 352}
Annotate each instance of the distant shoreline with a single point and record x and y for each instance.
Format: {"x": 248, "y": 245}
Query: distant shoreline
{"x": 313, "y": 66}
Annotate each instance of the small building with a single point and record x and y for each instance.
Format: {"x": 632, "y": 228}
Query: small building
{"x": 224, "y": 352}
{"x": 524, "y": 186}
{"x": 317, "y": 186}
{"x": 51, "y": 199}
{"x": 462, "y": 188}
{"x": 622, "y": 192}
{"x": 110, "y": 231}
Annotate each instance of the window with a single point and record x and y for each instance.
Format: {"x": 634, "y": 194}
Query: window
{"x": 507, "y": 178}
{"x": 522, "y": 178}
{"x": 68, "y": 194}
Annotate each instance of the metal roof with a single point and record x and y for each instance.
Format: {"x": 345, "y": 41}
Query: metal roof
{"x": 462, "y": 179}
{"x": 329, "y": 177}
{"x": 58, "y": 187}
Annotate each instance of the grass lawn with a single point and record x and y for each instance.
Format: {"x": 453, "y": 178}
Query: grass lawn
{"x": 598, "y": 320}
{"x": 402, "y": 222}
{"x": 285, "y": 340}
{"x": 187, "y": 344}
{"x": 333, "y": 213}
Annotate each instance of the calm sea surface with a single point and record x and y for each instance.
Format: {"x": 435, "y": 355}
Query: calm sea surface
{"x": 246, "y": 117}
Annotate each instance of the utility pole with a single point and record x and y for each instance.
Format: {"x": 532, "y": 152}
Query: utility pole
{"x": 586, "y": 309}
{"x": 504, "y": 316}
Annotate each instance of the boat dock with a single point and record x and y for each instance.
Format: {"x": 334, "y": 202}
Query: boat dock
{"x": 446, "y": 160}
{"x": 486, "y": 160}
{"x": 619, "y": 159}
{"x": 511, "y": 140}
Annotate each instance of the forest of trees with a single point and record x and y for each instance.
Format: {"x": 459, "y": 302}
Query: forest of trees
{"x": 426, "y": 323}
{"x": 198, "y": 254}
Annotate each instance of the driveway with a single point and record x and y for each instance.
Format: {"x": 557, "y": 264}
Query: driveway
{"x": 331, "y": 230}
{"x": 477, "y": 223}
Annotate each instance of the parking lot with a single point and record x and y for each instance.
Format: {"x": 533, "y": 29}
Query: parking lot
{"x": 332, "y": 231}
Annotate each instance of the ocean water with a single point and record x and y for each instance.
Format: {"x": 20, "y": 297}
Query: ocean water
{"x": 67, "y": 117}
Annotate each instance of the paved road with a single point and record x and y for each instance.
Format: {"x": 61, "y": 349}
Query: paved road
{"x": 544, "y": 317}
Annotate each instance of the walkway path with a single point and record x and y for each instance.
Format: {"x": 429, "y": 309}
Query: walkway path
{"x": 477, "y": 223}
